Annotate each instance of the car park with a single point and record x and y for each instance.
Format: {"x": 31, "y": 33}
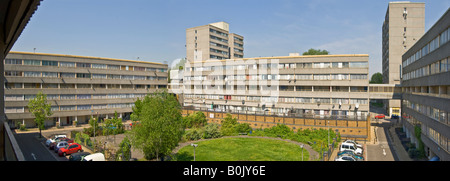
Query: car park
{"x": 78, "y": 156}
{"x": 379, "y": 116}
{"x": 53, "y": 139}
{"x": 351, "y": 147}
{"x": 69, "y": 149}
{"x": 94, "y": 157}
{"x": 348, "y": 152}
{"x": 345, "y": 157}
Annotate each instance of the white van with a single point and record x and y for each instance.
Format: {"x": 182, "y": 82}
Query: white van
{"x": 94, "y": 157}
{"x": 352, "y": 147}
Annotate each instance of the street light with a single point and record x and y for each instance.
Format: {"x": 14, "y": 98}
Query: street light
{"x": 301, "y": 146}
{"x": 194, "y": 145}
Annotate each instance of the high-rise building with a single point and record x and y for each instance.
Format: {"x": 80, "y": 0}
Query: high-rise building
{"x": 77, "y": 87}
{"x": 213, "y": 41}
{"x": 404, "y": 24}
{"x": 426, "y": 91}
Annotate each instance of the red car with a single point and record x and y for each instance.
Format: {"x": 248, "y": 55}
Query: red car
{"x": 379, "y": 116}
{"x": 72, "y": 148}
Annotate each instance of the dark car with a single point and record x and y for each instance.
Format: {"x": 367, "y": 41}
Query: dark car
{"x": 78, "y": 156}
{"x": 394, "y": 116}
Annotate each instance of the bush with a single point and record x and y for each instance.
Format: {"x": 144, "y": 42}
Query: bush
{"x": 193, "y": 134}
{"x": 211, "y": 130}
{"x": 195, "y": 120}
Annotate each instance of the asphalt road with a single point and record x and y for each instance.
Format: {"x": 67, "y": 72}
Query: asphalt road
{"x": 33, "y": 148}
{"x": 382, "y": 150}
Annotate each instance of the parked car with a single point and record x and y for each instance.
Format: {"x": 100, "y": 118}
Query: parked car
{"x": 52, "y": 145}
{"x": 348, "y": 152}
{"x": 60, "y": 144}
{"x": 379, "y": 116}
{"x": 53, "y": 139}
{"x": 94, "y": 157}
{"x": 394, "y": 116}
{"x": 78, "y": 156}
{"x": 345, "y": 157}
{"x": 354, "y": 142}
{"x": 351, "y": 147}
{"x": 69, "y": 149}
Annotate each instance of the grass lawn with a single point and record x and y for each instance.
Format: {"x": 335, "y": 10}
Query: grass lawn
{"x": 243, "y": 149}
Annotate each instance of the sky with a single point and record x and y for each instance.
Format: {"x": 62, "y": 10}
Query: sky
{"x": 155, "y": 30}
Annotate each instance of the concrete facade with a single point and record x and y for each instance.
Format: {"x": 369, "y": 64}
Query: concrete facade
{"x": 213, "y": 41}
{"x": 404, "y": 24}
{"x": 426, "y": 90}
{"x": 77, "y": 87}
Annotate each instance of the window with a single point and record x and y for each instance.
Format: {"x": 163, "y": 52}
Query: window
{"x": 112, "y": 76}
{"x": 67, "y": 86}
{"x": 13, "y": 97}
{"x": 358, "y": 64}
{"x": 67, "y": 108}
{"x": 99, "y": 66}
{"x": 99, "y": 76}
{"x": 99, "y": 86}
{"x": 49, "y": 63}
{"x": 13, "y": 61}
{"x": 339, "y": 76}
{"x": 139, "y": 68}
{"x": 67, "y": 64}
{"x": 321, "y": 65}
{"x": 322, "y": 77}
{"x": 84, "y": 96}
{"x": 67, "y": 96}
{"x": 83, "y": 86}
{"x": 32, "y": 62}
{"x": 358, "y": 76}
{"x": 32, "y": 74}
{"x": 114, "y": 67}
{"x": 84, "y": 65}
{"x": 82, "y": 75}
{"x": 49, "y": 74}
{"x": 49, "y": 86}
{"x": 13, "y": 73}
{"x": 67, "y": 75}
{"x": 32, "y": 85}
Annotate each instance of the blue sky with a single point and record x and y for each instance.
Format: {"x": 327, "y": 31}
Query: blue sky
{"x": 154, "y": 30}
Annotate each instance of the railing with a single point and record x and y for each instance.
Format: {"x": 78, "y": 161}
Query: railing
{"x": 12, "y": 150}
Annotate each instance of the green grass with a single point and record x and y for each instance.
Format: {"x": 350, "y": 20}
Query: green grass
{"x": 243, "y": 149}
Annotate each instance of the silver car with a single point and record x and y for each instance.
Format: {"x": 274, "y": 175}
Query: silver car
{"x": 61, "y": 144}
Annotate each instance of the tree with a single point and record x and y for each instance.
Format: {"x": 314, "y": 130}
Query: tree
{"x": 40, "y": 109}
{"x": 377, "y": 78}
{"x": 312, "y": 51}
{"x": 160, "y": 125}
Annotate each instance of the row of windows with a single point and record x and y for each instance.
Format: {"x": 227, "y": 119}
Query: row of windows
{"x": 282, "y": 66}
{"x": 435, "y": 136}
{"x": 73, "y": 107}
{"x": 438, "y": 41}
{"x": 10, "y": 85}
{"x": 434, "y": 68}
{"x": 217, "y": 32}
{"x": 429, "y": 111}
{"x": 82, "y": 65}
{"x": 279, "y": 99}
{"x": 80, "y": 75}
{"x": 26, "y": 97}
{"x": 281, "y": 77}
{"x": 281, "y": 88}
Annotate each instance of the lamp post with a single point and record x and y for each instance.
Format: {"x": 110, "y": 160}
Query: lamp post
{"x": 301, "y": 146}
{"x": 194, "y": 145}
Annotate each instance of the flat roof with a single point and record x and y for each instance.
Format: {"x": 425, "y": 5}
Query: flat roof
{"x": 285, "y": 57}
{"x": 86, "y": 57}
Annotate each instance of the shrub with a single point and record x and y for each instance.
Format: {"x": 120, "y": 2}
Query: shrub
{"x": 193, "y": 134}
{"x": 195, "y": 120}
{"x": 211, "y": 130}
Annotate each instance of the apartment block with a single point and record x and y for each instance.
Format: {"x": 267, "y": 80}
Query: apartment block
{"x": 426, "y": 90}
{"x": 324, "y": 87}
{"x": 77, "y": 87}
{"x": 213, "y": 41}
{"x": 404, "y": 24}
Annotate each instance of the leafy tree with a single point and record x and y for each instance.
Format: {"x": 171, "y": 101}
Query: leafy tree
{"x": 312, "y": 51}
{"x": 230, "y": 126}
{"x": 124, "y": 151}
{"x": 160, "y": 125}
{"x": 40, "y": 109}
{"x": 196, "y": 120}
{"x": 377, "y": 78}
